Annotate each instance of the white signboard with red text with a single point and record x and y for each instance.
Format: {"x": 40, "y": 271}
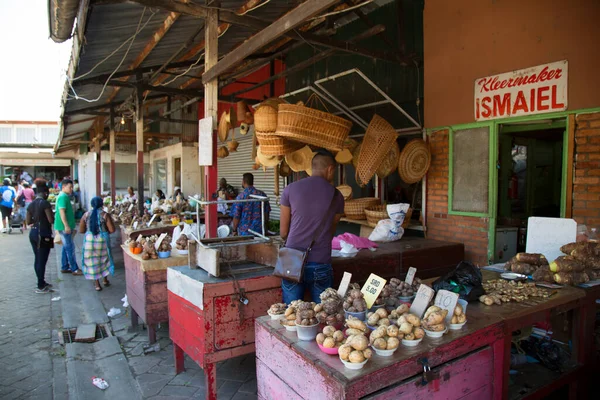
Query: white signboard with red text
{"x": 535, "y": 90}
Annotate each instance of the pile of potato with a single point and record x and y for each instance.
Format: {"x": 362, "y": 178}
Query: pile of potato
{"x": 500, "y": 291}
{"x": 165, "y": 245}
{"x": 434, "y": 319}
{"x": 459, "y": 315}
{"x": 379, "y": 318}
{"x": 355, "y": 349}
{"x": 330, "y": 337}
{"x": 182, "y": 242}
{"x": 290, "y": 314}
{"x": 330, "y": 310}
{"x": 526, "y": 263}
{"x": 354, "y": 301}
{"x": 277, "y": 309}
{"x": 410, "y": 327}
{"x": 305, "y": 313}
{"x": 580, "y": 264}
{"x": 398, "y": 312}
{"x": 385, "y": 338}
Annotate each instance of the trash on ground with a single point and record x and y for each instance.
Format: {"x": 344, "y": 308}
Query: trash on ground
{"x": 57, "y": 298}
{"x": 99, "y": 383}
{"x": 125, "y": 302}
{"x": 152, "y": 348}
{"x": 114, "y": 312}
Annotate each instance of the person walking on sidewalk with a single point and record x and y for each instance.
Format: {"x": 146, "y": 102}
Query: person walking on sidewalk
{"x": 8, "y": 196}
{"x": 28, "y": 195}
{"x": 64, "y": 224}
{"x": 97, "y": 259}
{"x": 40, "y": 218}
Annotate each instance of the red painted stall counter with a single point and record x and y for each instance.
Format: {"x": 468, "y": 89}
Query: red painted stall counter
{"x": 465, "y": 364}
{"x": 212, "y": 319}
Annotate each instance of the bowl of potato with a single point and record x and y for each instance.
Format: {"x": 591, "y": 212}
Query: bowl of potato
{"x": 385, "y": 340}
{"x": 330, "y": 340}
{"x": 355, "y": 353}
{"x": 459, "y": 318}
{"x": 434, "y": 322}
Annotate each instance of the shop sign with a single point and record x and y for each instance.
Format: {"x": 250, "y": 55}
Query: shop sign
{"x": 205, "y": 142}
{"x": 535, "y": 90}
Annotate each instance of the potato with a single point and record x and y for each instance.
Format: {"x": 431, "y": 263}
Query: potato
{"x": 392, "y": 331}
{"x": 382, "y": 312}
{"x": 328, "y": 330}
{"x": 436, "y": 327}
{"x": 338, "y": 336}
{"x": 352, "y": 331}
{"x": 393, "y": 315}
{"x": 380, "y": 344}
{"x": 320, "y": 338}
{"x": 368, "y": 353}
{"x": 304, "y": 322}
{"x": 401, "y": 319}
{"x": 392, "y": 343}
{"x": 344, "y": 351}
{"x": 462, "y": 318}
{"x": 359, "y": 342}
{"x": 402, "y": 308}
{"x": 356, "y": 324}
{"x": 379, "y": 332}
{"x": 430, "y": 310}
{"x": 401, "y": 335}
{"x": 434, "y": 318}
{"x": 290, "y": 317}
{"x": 356, "y": 357}
{"x": 318, "y": 308}
{"x": 373, "y": 319}
{"x": 413, "y": 319}
{"x": 406, "y": 328}
{"x": 458, "y": 309}
{"x": 454, "y": 319}
{"x": 409, "y": 336}
{"x": 289, "y": 311}
{"x": 487, "y": 300}
{"x": 329, "y": 342}
{"x": 418, "y": 333}
{"x": 383, "y": 322}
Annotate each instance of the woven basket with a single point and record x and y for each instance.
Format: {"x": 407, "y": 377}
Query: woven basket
{"x": 350, "y": 144}
{"x": 406, "y": 222}
{"x": 265, "y": 116}
{"x": 311, "y": 126}
{"x": 376, "y": 145}
{"x": 375, "y": 214}
{"x": 276, "y": 146}
{"x": 346, "y": 191}
{"x": 390, "y": 162}
{"x": 355, "y": 209}
{"x": 414, "y": 161}
{"x": 355, "y": 154}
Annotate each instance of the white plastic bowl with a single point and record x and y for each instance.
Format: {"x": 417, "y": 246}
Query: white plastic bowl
{"x": 360, "y": 315}
{"x": 307, "y": 333}
{"x": 183, "y": 252}
{"x": 291, "y": 328}
{"x": 350, "y": 365}
{"x": 384, "y": 353}
{"x": 456, "y": 327}
{"x": 411, "y": 343}
{"x": 275, "y": 316}
{"x": 436, "y": 335}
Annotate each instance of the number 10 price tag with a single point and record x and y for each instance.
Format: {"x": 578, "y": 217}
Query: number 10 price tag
{"x": 372, "y": 288}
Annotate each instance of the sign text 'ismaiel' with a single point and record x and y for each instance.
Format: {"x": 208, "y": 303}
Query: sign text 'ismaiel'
{"x": 535, "y": 90}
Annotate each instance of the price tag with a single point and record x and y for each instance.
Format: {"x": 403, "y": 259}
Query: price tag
{"x": 410, "y": 276}
{"x": 372, "y": 288}
{"x": 135, "y": 224}
{"x": 344, "y": 284}
{"x": 159, "y": 241}
{"x": 422, "y": 299}
{"x": 130, "y": 207}
{"x": 151, "y": 219}
{"x": 139, "y": 239}
{"x": 121, "y": 213}
{"x": 446, "y": 300}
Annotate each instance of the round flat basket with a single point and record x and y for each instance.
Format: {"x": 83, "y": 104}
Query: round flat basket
{"x": 375, "y": 147}
{"x": 375, "y": 214}
{"x": 355, "y": 209}
{"x": 276, "y": 146}
{"x": 311, "y": 126}
{"x": 390, "y": 162}
{"x": 414, "y": 161}
{"x": 346, "y": 191}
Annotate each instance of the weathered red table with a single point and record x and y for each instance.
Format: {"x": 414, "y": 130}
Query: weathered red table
{"x": 129, "y": 233}
{"x": 146, "y": 285}
{"x": 212, "y": 319}
{"x": 466, "y": 364}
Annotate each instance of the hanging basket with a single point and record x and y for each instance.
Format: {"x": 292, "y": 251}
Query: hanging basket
{"x": 414, "y": 161}
{"x": 346, "y": 191}
{"x": 265, "y": 116}
{"x": 355, "y": 209}
{"x": 311, "y": 126}
{"x": 375, "y": 214}
{"x": 275, "y": 146}
{"x": 390, "y": 162}
{"x": 376, "y": 145}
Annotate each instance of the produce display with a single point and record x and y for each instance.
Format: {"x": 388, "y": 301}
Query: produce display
{"x": 378, "y": 318}
{"x": 385, "y": 338}
{"x": 398, "y": 312}
{"x": 580, "y": 264}
{"x": 277, "y": 309}
{"x": 182, "y": 243}
{"x": 305, "y": 313}
{"x": 330, "y": 337}
{"x": 356, "y": 348}
{"x": 395, "y": 289}
{"x": 434, "y": 319}
{"x": 354, "y": 301}
{"x": 410, "y": 327}
{"x": 165, "y": 245}
{"x": 500, "y": 291}
{"x": 459, "y": 316}
{"x": 290, "y": 314}
{"x": 526, "y": 263}
{"x": 330, "y": 311}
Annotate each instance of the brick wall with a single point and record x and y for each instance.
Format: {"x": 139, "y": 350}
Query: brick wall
{"x": 586, "y": 183}
{"x": 471, "y": 231}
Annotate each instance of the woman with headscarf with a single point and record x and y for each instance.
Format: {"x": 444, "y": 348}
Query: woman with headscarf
{"x": 40, "y": 218}
{"x": 96, "y": 225}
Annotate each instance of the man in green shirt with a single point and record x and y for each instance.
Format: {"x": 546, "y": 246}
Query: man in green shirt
{"x": 64, "y": 224}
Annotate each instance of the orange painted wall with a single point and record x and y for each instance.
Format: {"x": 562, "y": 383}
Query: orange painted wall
{"x": 469, "y": 39}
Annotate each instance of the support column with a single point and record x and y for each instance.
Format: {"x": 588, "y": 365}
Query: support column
{"x": 111, "y": 124}
{"x": 98, "y": 149}
{"x": 139, "y": 143}
{"x": 211, "y": 56}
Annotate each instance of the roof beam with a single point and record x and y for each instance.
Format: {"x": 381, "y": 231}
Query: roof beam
{"x": 289, "y": 21}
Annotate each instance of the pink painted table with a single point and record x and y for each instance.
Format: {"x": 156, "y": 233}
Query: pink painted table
{"x": 467, "y": 364}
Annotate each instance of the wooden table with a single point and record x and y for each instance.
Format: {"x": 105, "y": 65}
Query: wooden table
{"x": 432, "y": 258}
{"x": 208, "y": 320}
{"x": 467, "y": 364}
{"x": 520, "y": 315}
{"x": 146, "y": 285}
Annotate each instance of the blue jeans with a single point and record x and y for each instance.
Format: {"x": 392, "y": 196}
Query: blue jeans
{"x": 317, "y": 278}
{"x": 41, "y": 257}
{"x": 68, "y": 252}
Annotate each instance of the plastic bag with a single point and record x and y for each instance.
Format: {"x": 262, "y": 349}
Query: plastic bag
{"x": 387, "y": 230}
{"x": 176, "y": 233}
{"x": 397, "y": 212}
{"x": 466, "y": 280}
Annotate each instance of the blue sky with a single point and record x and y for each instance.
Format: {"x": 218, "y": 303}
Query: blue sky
{"x": 33, "y": 67}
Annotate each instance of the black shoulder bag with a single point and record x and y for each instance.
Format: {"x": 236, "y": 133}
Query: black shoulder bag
{"x": 44, "y": 241}
{"x": 290, "y": 262}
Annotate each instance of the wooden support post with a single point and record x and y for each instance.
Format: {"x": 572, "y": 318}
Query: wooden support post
{"x": 98, "y": 170}
{"x": 211, "y": 87}
{"x": 139, "y": 142}
{"x": 111, "y": 124}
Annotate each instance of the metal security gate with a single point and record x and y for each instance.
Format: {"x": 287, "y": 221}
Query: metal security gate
{"x": 237, "y": 163}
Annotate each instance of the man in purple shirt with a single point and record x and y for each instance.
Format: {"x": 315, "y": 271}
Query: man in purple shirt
{"x": 305, "y": 208}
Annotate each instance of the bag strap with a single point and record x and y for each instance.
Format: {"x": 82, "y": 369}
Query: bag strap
{"x": 320, "y": 230}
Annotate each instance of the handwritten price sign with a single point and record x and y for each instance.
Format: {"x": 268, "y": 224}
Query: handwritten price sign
{"x": 422, "y": 299}
{"x": 446, "y": 300}
{"x": 372, "y": 288}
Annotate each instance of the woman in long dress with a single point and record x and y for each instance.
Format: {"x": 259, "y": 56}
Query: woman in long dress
{"x": 97, "y": 260}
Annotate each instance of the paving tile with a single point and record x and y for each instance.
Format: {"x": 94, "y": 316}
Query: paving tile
{"x": 189, "y": 378}
{"x": 152, "y": 384}
{"x": 141, "y": 365}
{"x": 249, "y": 386}
{"x": 244, "y": 396}
{"x": 181, "y": 391}
{"x": 162, "y": 370}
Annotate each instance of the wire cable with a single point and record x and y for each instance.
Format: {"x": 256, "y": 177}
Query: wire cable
{"x": 342, "y": 11}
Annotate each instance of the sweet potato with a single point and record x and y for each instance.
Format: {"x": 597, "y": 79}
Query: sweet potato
{"x": 591, "y": 247}
{"x": 522, "y": 268}
{"x": 572, "y": 278}
{"x": 566, "y": 264}
{"x": 543, "y": 274}
{"x": 532, "y": 258}
{"x": 593, "y": 274}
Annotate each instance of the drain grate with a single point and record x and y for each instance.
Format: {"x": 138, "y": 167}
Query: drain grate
{"x": 68, "y": 335}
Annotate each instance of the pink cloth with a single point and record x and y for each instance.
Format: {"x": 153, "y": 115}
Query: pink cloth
{"x": 358, "y": 242}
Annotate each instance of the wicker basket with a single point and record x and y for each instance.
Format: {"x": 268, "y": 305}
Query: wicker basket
{"x": 346, "y": 191}
{"x": 311, "y": 126}
{"x": 414, "y": 161}
{"x": 275, "y": 146}
{"x": 390, "y": 162}
{"x": 355, "y": 209}
{"x": 375, "y": 214}
{"x": 265, "y": 116}
{"x": 376, "y": 145}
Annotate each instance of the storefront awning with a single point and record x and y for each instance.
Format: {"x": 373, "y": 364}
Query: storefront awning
{"x": 23, "y": 162}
